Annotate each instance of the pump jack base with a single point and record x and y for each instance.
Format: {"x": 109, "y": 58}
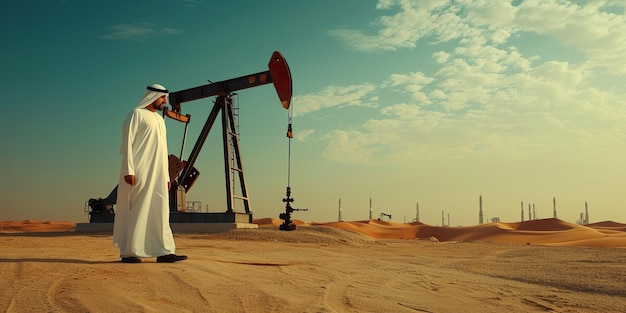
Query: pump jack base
{"x": 177, "y": 228}
{"x": 287, "y": 227}
{"x": 180, "y": 222}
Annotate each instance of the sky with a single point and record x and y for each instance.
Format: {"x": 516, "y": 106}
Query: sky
{"x": 428, "y": 103}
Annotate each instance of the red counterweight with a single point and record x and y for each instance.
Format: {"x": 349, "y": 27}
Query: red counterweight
{"x": 281, "y": 77}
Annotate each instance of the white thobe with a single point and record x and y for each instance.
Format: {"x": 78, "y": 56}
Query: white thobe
{"x": 141, "y": 227}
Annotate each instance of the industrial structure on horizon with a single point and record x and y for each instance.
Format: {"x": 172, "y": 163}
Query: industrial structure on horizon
{"x": 532, "y": 213}
{"x": 340, "y": 219}
{"x": 480, "y": 212}
{"x": 584, "y": 217}
{"x": 417, "y": 212}
{"x": 443, "y": 221}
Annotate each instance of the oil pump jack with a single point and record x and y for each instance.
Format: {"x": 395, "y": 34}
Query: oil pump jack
{"x": 183, "y": 174}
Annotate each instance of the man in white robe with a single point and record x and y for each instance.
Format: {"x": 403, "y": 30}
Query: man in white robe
{"x": 142, "y": 228}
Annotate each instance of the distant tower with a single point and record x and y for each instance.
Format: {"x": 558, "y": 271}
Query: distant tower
{"x": 530, "y": 213}
{"x": 480, "y": 212}
{"x": 417, "y": 211}
{"x": 586, "y": 214}
{"x": 443, "y": 221}
{"x": 371, "y": 208}
{"x": 339, "y": 219}
{"x": 448, "y": 219}
{"x": 522, "y": 210}
{"x": 554, "y": 207}
{"x": 534, "y": 212}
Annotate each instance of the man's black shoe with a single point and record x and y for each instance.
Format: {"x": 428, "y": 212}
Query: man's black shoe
{"x": 131, "y": 259}
{"x": 171, "y": 258}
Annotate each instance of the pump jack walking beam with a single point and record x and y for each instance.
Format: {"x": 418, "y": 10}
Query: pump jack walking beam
{"x": 278, "y": 74}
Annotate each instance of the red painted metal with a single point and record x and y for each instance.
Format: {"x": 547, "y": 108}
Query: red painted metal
{"x": 281, "y": 77}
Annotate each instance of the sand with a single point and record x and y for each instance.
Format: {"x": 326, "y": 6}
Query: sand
{"x": 362, "y": 266}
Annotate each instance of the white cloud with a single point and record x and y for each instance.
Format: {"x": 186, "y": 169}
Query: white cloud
{"x": 412, "y": 83}
{"x": 441, "y": 57}
{"x": 485, "y": 97}
{"x": 136, "y": 31}
{"x": 350, "y": 146}
{"x": 500, "y": 36}
{"x": 493, "y": 14}
{"x": 191, "y": 3}
{"x": 402, "y": 30}
{"x": 590, "y": 27}
{"x": 558, "y": 73}
{"x": 599, "y": 34}
{"x": 332, "y": 96}
{"x": 527, "y": 122}
{"x": 402, "y": 111}
{"x": 417, "y": 78}
{"x": 304, "y": 135}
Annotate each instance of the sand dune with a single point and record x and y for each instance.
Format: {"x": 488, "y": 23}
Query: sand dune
{"x": 36, "y": 226}
{"x": 363, "y": 266}
{"x": 545, "y": 232}
{"x": 549, "y": 231}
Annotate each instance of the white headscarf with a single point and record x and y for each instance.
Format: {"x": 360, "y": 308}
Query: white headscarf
{"x": 154, "y": 92}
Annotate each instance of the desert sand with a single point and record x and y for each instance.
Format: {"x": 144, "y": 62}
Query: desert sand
{"x": 361, "y": 266}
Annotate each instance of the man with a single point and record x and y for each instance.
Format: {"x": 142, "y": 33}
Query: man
{"x": 142, "y": 228}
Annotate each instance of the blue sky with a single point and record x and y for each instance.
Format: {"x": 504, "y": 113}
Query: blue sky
{"x": 435, "y": 102}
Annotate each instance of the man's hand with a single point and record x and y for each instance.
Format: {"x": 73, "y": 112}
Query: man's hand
{"x": 169, "y": 185}
{"x": 130, "y": 179}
